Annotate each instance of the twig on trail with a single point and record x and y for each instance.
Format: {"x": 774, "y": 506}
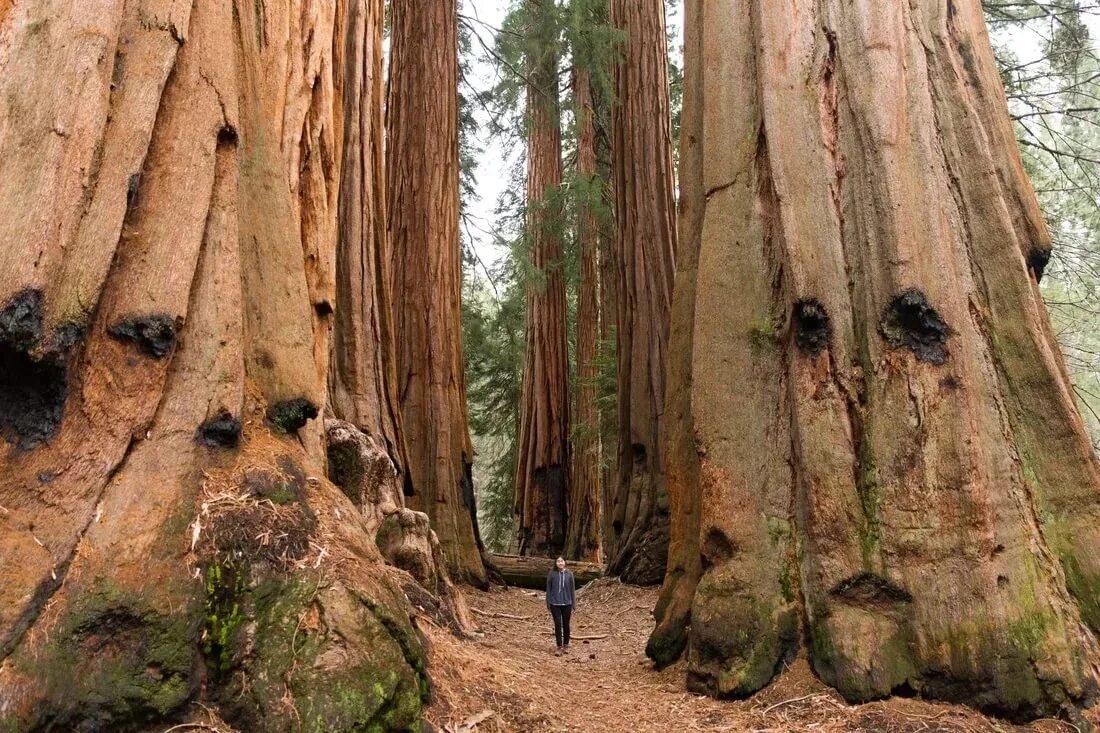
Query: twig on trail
{"x": 494, "y": 614}
{"x": 193, "y": 726}
{"x": 788, "y": 702}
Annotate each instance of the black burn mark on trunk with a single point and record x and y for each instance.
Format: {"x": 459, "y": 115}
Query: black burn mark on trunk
{"x": 1037, "y": 260}
{"x": 290, "y": 416}
{"x": 33, "y": 371}
{"x": 717, "y": 548}
{"x": 909, "y": 322}
{"x": 154, "y": 335}
{"x": 811, "y": 326}
{"x": 221, "y": 431}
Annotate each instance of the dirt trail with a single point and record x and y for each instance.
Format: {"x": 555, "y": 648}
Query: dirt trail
{"x": 511, "y": 680}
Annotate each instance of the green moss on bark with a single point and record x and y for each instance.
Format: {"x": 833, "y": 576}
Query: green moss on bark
{"x": 115, "y": 661}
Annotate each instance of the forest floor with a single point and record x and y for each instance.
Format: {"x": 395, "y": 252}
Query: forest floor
{"x": 509, "y": 679}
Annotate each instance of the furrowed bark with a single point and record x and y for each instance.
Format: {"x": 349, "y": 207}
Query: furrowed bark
{"x": 422, "y": 172}
{"x": 543, "y": 450}
{"x": 163, "y": 359}
{"x": 891, "y": 464}
{"x": 646, "y": 246}
{"x": 583, "y": 539}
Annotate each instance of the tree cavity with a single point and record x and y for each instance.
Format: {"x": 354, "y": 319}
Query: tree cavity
{"x": 33, "y": 371}
{"x": 811, "y": 326}
{"x": 910, "y": 322}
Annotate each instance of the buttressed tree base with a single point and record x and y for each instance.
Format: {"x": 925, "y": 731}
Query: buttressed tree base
{"x": 166, "y": 530}
{"x": 875, "y": 453}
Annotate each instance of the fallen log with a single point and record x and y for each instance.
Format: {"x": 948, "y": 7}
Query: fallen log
{"x": 530, "y": 572}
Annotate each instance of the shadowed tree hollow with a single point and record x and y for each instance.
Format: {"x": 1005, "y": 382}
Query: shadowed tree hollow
{"x": 879, "y": 453}
{"x": 166, "y": 292}
{"x": 645, "y": 217}
{"x": 422, "y": 172}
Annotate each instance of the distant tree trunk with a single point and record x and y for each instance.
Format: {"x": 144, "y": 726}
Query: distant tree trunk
{"x": 607, "y": 262}
{"x": 646, "y": 244}
{"x": 167, "y": 534}
{"x": 422, "y": 156}
{"x": 583, "y": 540}
{"x": 890, "y": 451}
{"x": 543, "y": 452}
{"x": 364, "y": 365}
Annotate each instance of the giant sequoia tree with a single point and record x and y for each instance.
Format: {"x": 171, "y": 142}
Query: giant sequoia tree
{"x": 880, "y": 451}
{"x": 582, "y": 538}
{"x": 422, "y": 173}
{"x": 543, "y": 452}
{"x": 166, "y": 286}
{"x": 646, "y": 243}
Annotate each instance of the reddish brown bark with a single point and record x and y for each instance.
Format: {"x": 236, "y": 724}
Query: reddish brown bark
{"x": 170, "y": 221}
{"x": 892, "y": 467}
{"x": 543, "y": 451}
{"x": 646, "y": 245}
{"x": 583, "y": 539}
{"x": 364, "y": 367}
{"x": 422, "y": 173}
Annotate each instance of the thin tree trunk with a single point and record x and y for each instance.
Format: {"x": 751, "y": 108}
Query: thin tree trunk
{"x": 646, "y": 245}
{"x": 543, "y": 451}
{"x": 422, "y": 129}
{"x": 891, "y": 457}
{"x": 583, "y": 540}
{"x": 169, "y": 221}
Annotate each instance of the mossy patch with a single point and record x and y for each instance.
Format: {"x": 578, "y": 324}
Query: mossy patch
{"x": 319, "y": 660}
{"x": 115, "y": 661}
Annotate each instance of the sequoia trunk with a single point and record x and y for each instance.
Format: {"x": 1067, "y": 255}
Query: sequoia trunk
{"x": 364, "y": 367}
{"x": 543, "y": 452}
{"x": 583, "y": 540}
{"x": 889, "y": 452}
{"x": 169, "y": 206}
{"x": 646, "y": 243}
{"x": 422, "y": 173}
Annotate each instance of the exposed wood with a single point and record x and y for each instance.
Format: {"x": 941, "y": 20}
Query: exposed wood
{"x": 528, "y": 571}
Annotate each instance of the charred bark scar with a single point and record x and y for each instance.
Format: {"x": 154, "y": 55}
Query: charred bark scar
{"x": 1037, "y": 260}
{"x": 221, "y": 431}
{"x": 811, "y": 326}
{"x": 717, "y": 548}
{"x": 228, "y": 137}
{"x": 868, "y": 589}
{"x": 909, "y": 322}
{"x": 154, "y": 335}
{"x": 323, "y": 308}
{"x": 289, "y": 416}
{"x": 33, "y": 371}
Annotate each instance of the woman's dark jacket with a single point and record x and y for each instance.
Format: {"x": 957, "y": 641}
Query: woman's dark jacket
{"x": 561, "y": 588}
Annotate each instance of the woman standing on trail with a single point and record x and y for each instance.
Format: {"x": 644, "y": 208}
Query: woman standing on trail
{"x": 561, "y": 597}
